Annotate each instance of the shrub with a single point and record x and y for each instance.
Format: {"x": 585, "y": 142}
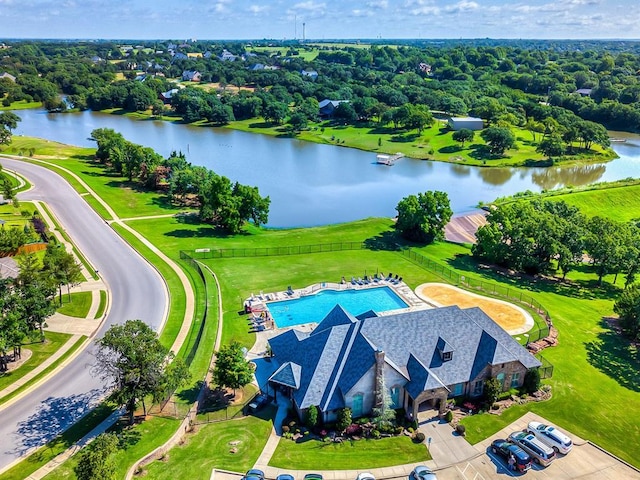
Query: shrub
{"x": 398, "y": 430}
{"x": 410, "y": 430}
{"x": 492, "y": 388}
{"x": 531, "y": 381}
{"x": 461, "y": 429}
{"x": 344, "y": 419}
{"x": 353, "y": 430}
{"x": 495, "y": 406}
{"x": 449, "y": 416}
{"x": 418, "y": 437}
{"x": 312, "y": 416}
{"x": 375, "y": 433}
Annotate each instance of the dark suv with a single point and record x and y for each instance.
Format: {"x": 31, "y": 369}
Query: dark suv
{"x": 522, "y": 460}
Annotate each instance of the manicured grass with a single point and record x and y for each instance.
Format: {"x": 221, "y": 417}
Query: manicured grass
{"x": 21, "y": 105}
{"x": 78, "y": 306}
{"x": 434, "y": 143}
{"x": 621, "y": 204}
{"x": 136, "y": 442}
{"x": 46, "y": 371}
{"x": 13, "y": 217}
{"x": 209, "y": 447}
{"x": 102, "y": 305}
{"x": 40, "y": 352}
{"x": 58, "y": 445}
{"x": 349, "y": 455}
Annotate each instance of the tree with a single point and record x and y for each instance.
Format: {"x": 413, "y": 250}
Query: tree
{"x": 492, "y": 389}
{"x": 499, "y": 139}
{"x": 531, "y": 383}
{"x": 231, "y": 370}
{"x": 8, "y": 122}
{"x": 96, "y": 460}
{"x": 275, "y": 112}
{"x": 298, "y": 121}
{"x": 132, "y": 359}
{"x": 551, "y": 146}
{"x": 311, "y": 419}
{"x": 627, "y": 307}
{"x": 603, "y": 243}
{"x": 62, "y": 268}
{"x": 463, "y": 135}
{"x": 422, "y": 218}
{"x": 344, "y": 419}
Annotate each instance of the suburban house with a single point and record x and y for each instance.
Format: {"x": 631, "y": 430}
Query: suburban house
{"x": 584, "y": 92}
{"x": 191, "y": 75}
{"x": 405, "y": 359}
{"x": 326, "y": 107}
{"x": 312, "y": 74}
{"x": 227, "y": 56}
{"x": 166, "y": 96}
{"x": 7, "y": 75}
{"x": 472, "y": 123}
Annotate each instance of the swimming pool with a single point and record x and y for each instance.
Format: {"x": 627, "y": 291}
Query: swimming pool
{"x": 314, "y": 308}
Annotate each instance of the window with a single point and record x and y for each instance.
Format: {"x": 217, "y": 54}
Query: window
{"x": 356, "y": 409}
{"x": 394, "y": 393}
{"x": 458, "y": 389}
{"x": 515, "y": 380}
{"x": 446, "y": 356}
{"x": 477, "y": 387}
{"x": 500, "y": 378}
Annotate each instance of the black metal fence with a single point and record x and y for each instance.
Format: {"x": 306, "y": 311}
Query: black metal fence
{"x": 448, "y": 274}
{"x": 546, "y": 370}
{"x": 205, "y": 253}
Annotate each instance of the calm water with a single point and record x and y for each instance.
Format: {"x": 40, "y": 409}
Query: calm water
{"x": 311, "y": 184}
{"x": 314, "y": 308}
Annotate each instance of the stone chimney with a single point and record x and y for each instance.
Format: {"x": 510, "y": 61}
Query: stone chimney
{"x": 379, "y": 380}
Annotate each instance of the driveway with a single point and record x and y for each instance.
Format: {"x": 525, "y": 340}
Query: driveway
{"x": 137, "y": 292}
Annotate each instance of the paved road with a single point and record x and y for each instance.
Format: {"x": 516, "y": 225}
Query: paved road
{"x": 137, "y": 291}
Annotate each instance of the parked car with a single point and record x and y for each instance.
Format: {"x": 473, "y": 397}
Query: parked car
{"x": 553, "y": 437}
{"x": 422, "y": 472}
{"x": 541, "y": 453}
{"x": 365, "y": 476}
{"x": 506, "y": 450}
{"x": 285, "y": 476}
{"x": 254, "y": 474}
{"x": 313, "y": 476}
{"x": 258, "y": 402}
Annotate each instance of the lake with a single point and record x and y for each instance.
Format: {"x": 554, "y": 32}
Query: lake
{"x": 311, "y": 184}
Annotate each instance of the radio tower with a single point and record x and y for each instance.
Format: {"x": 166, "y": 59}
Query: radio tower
{"x": 304, "y": 26}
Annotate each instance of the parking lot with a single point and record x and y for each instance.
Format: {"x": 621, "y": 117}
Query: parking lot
{"x": 584, "y": 462}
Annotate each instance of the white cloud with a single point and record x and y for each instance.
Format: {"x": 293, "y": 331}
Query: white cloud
{"x": 462, "y": 7}
{"x": 257, "y": 9}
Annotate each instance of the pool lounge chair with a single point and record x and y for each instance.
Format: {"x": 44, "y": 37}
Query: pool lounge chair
{"x": 289, "y": 290}
{"x": 353, "y": 280}
{"x": 390, "y": 276}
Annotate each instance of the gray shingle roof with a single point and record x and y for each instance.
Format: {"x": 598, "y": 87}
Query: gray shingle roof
{"x": 288, "y": 374}
{"x": 342, "y": 348}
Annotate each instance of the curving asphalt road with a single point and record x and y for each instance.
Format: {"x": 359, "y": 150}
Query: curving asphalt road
{"x": 137, "y": 291}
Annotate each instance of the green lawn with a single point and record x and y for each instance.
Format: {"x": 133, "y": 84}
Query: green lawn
{"x": 40, "y": 352}
{"x": 209, "y": 448}
{"x": 76, "y": 306}
{"x": 21, "y": 105}
{"x": 350, "y": 455}
{"x": 17, "y": 217}
{"x": 136, "y": 442}
{"x": 621, "y": 204}
{"x": 58, "y": 445}
{"x": 102, "y": 305}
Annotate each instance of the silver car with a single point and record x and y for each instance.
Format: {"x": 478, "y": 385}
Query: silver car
{"x": 541, "y": 453}
{"x": 551, "y": 436}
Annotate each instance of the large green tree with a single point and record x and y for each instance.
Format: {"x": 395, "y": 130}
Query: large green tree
{"x": 96, "y": 460}
{"x": 8, "y": 123}
{"x": 422, "y": 218}
{"x": 627, "y": 307}
{"x": 134, "y": 362}
{"x": 231, "y": 369}
{"x": 498, "y": 139}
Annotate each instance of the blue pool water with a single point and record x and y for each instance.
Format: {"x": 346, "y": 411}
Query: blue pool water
{"x": 314, "y": 308}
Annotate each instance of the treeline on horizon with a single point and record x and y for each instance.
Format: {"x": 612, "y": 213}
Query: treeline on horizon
{"x": 501, "y": 81}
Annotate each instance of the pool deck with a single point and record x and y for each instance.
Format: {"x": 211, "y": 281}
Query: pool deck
{"x": 260, "y": 303}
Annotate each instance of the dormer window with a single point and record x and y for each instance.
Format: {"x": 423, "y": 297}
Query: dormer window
{"x": 445, "y": 349}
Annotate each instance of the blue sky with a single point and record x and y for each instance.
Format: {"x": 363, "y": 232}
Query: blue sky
{"x": 325, "y": 19}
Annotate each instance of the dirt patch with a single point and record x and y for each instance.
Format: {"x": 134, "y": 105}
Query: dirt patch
{"x": 505, "y": 315}
{"x": 25, "y": 356}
